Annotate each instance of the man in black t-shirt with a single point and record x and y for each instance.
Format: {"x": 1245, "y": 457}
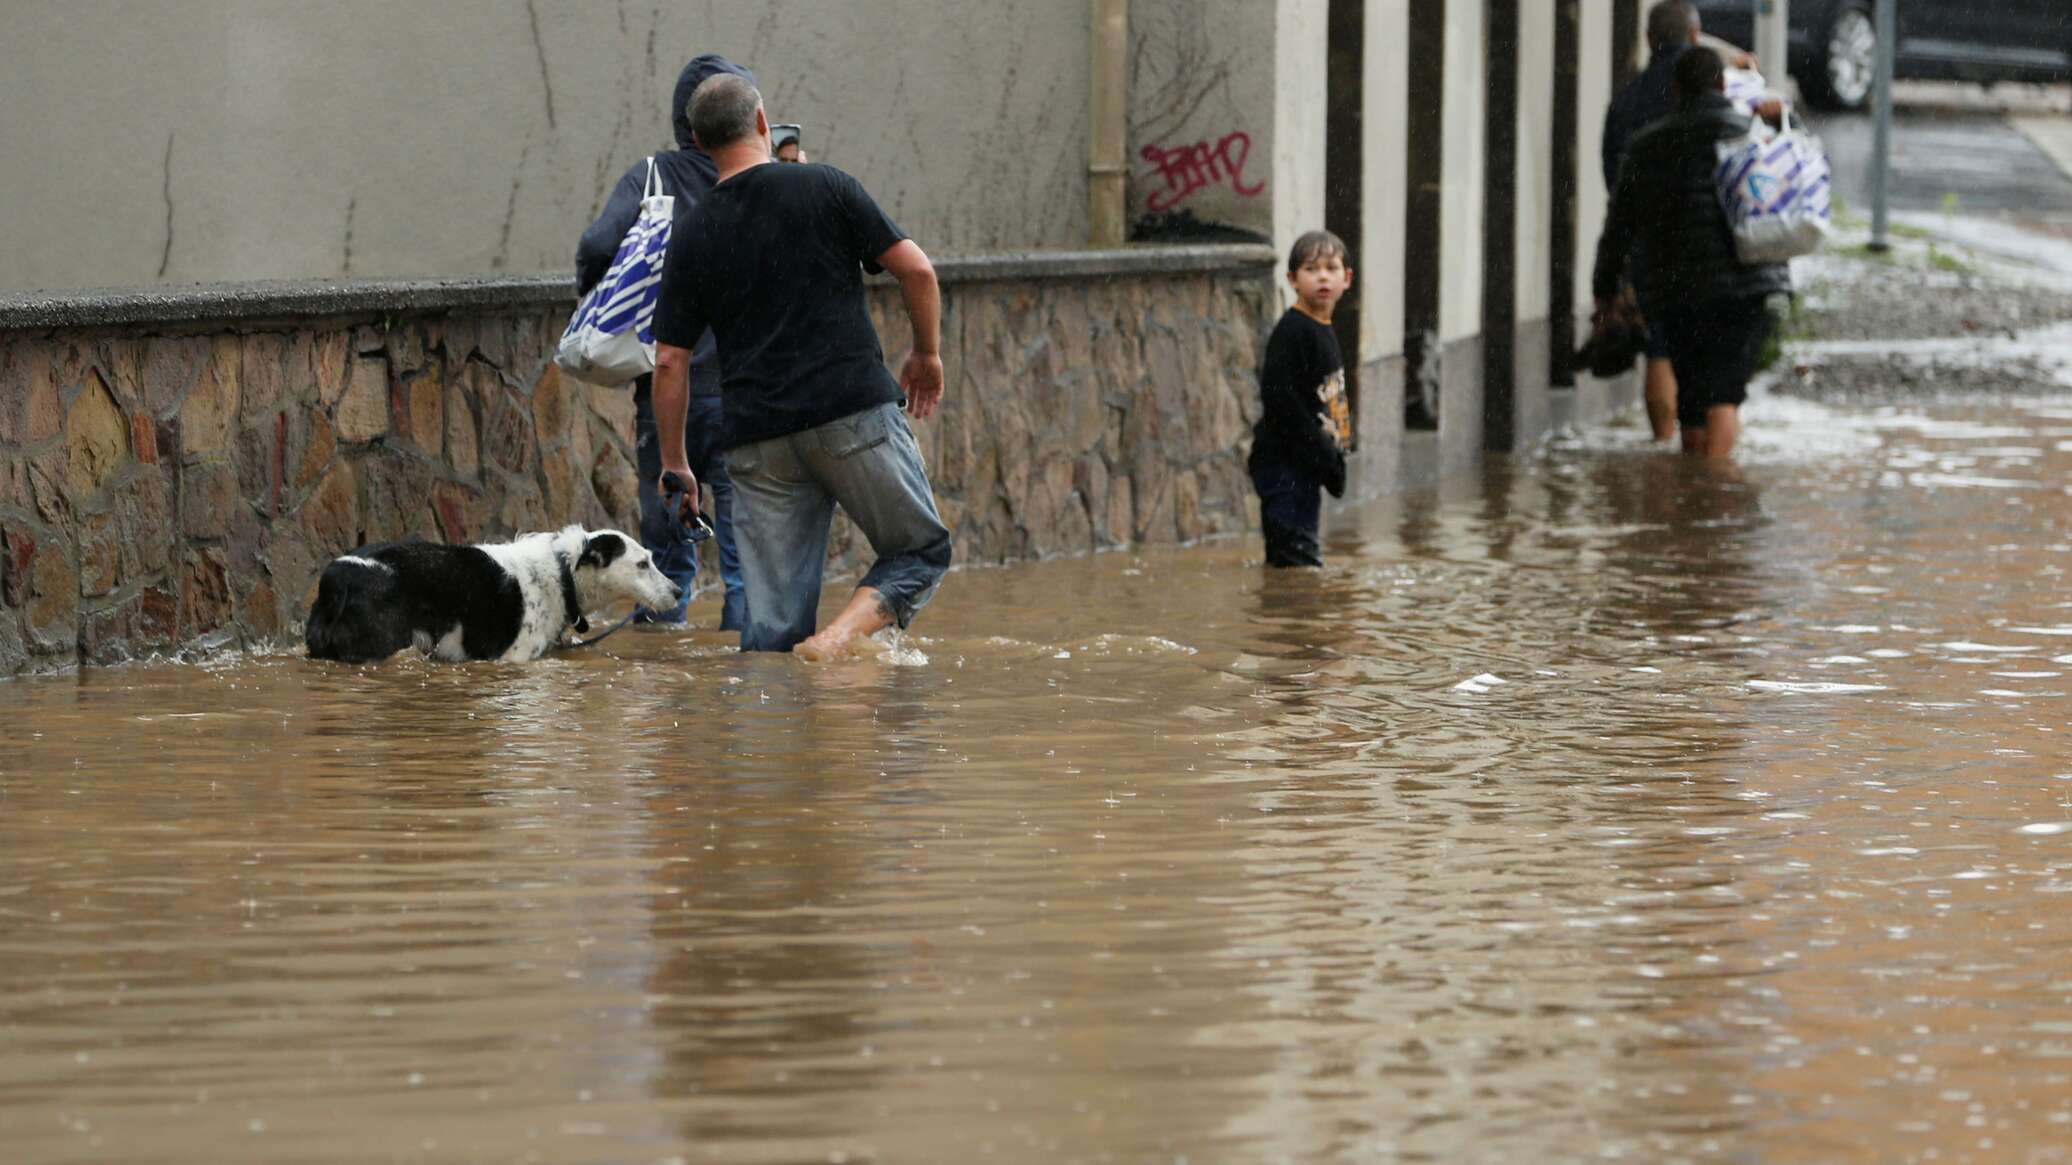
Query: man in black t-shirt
{"x": 772, "y": 260}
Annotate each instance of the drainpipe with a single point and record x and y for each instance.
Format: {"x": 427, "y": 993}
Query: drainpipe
{"x": 1107, "y": 168}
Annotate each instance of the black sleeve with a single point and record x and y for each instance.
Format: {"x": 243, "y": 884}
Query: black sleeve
{"x": 679, "y": 315}
{"x": 1620, "y": 225}
{"x": 1333, "y": 475}
{"x": 1288, "y": 380}
{"x": 871, "y": 232}
{"x": 600, "y": 243}
{"x": 1612, "y": 145}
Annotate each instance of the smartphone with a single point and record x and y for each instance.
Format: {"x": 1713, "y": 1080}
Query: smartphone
{"x": 782, "y": 135}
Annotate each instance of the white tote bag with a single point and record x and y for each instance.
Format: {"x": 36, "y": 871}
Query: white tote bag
{"x": 611, "y": 338}
{"x": 1774, "y": 188}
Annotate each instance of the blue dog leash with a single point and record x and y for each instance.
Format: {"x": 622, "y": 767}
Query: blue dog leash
{"x": 601, "y": 637}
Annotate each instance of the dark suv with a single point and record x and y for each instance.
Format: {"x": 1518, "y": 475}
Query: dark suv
{"x": 1834, "y": 42}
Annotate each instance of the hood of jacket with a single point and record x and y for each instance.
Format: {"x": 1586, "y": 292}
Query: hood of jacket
{"x": 703, "y": 66}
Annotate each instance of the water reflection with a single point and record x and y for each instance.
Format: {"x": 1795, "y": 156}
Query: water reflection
{"x": 1598, "y": 805}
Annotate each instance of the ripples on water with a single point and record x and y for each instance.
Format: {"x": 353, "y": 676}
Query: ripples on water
{"x": 1599, "y": 806}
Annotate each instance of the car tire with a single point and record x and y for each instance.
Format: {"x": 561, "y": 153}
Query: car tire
{"x": 1845, "y": 58}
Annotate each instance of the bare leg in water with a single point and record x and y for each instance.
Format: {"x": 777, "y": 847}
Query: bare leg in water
{"x": 1722, "y": 429}
{"x": 1715, "y": 438}
{"x": 1659, "y": 391}
{"x": 864, "y": 616}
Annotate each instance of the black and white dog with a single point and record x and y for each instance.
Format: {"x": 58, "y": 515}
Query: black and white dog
{"x": 506, "y": 601}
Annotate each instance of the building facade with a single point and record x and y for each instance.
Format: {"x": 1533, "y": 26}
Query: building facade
{"x": 283, "y": 277}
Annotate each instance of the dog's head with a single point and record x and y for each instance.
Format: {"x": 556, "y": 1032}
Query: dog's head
{"x": 613, "y": 565}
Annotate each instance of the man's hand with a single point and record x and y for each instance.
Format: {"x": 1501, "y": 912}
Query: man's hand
{"x": 678, "y": 488}
{"x": 921, "y": 379}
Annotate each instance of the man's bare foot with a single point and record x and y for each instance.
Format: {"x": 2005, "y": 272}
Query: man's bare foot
{"x": 850, "y": 633}
{"x": 825, "y": 647}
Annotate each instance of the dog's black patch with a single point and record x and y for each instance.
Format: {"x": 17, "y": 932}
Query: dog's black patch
{"x": 602, "y": 550}
{"x": 367, "y": 612}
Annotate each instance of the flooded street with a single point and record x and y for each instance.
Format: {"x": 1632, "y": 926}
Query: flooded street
{"x": 1597, "y": 806}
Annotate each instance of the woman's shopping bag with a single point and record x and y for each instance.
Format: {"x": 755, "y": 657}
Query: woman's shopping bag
{"x": 611, "y": 338}
{"x": 1774, "y": 188}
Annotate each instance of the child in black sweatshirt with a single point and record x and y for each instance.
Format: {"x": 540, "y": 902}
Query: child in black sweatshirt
{"x": 1305, "y": 428}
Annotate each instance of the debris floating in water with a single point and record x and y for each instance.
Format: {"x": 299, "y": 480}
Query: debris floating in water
{"x": 1476, "y": 685}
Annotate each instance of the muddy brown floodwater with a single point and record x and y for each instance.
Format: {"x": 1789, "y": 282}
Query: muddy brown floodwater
{"x": 1592, "y": 807}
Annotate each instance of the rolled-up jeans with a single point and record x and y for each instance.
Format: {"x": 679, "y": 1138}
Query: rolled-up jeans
{"x": 785, "y": 492}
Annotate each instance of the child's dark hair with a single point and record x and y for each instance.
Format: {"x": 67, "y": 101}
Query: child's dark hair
{"x": 1316, "y": 245}
{"x": 1698, "y": 72}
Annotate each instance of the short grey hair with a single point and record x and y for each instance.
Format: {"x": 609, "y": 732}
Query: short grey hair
{"x": 723, "y": 110}
{"x": 1670, "y": 23}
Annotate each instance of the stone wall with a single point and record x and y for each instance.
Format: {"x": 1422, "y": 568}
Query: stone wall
{"x": 175, "y": 470}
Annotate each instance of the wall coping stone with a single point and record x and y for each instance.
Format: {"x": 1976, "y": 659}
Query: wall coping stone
{"x": 275, "y": 300}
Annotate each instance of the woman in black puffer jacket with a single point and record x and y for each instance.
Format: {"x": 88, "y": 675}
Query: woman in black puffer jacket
{"x": 1712, "y": 308}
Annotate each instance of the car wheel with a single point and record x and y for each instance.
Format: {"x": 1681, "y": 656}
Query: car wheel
{"x": 1845, "y": 61}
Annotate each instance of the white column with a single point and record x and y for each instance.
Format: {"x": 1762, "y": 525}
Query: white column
{"x": 1301, "y": 65}
{"x": 1386, "y": 157}
{"x": 1460, "y": 218}
{"x": 1772, "y": 41}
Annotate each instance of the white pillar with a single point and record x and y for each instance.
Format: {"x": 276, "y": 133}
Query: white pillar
{"x": 1772, "y": 43}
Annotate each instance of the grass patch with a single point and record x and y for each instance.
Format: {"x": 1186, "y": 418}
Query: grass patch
{"x": 1942, "y": 260}
{"x": 1794, "y": 325}
{"x": 1936, "y": 259}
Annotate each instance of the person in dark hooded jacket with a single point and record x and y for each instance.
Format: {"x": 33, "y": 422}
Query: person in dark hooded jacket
{"x": 687, "y": 174}
{"x": 1712, "y": 308}
{"x": 1672, "y": 28}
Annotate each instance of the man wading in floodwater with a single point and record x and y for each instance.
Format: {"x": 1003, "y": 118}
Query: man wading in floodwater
{"x": 772, "y": 260}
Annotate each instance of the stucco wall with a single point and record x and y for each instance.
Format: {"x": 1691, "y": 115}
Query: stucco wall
{"x": 1202, "y": 113}
{"x": 160, "y": 142}
{"x": 1460, "y": 217}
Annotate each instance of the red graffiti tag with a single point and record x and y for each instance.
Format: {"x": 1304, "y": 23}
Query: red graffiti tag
{"x": 1187, "y": 169}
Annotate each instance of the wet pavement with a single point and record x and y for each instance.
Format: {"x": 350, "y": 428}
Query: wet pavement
{"x": 1963, "y": 150}
{"x": 1599, "y": 806}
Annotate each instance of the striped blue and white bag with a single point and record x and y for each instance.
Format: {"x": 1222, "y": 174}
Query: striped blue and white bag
{"x": 611, "y": 338}
{"x": 1774, "y": 188}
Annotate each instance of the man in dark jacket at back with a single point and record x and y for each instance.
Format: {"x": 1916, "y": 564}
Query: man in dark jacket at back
{"x": 1649, "y": 97}
{"x": 687, "y": 175}
{"x": 1712, "y": 308}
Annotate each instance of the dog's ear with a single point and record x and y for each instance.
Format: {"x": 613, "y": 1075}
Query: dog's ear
{"x": 602, "y": 550}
